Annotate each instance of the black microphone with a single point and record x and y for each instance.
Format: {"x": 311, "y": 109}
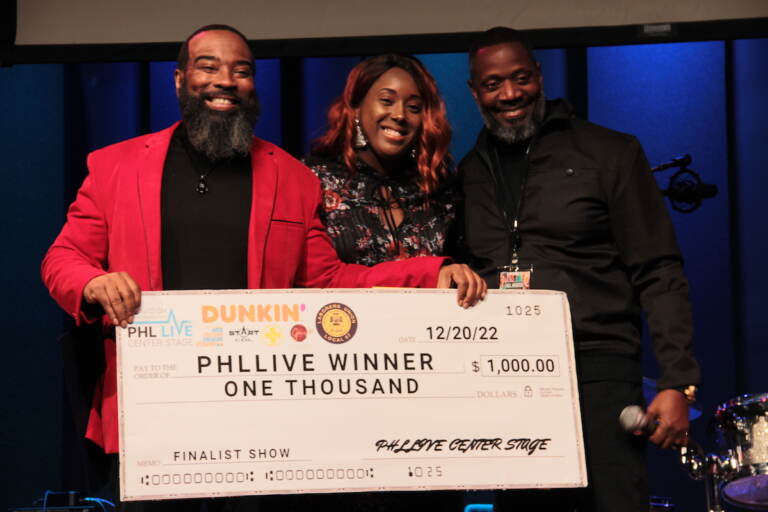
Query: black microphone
{"x": 634, "y": 419}
{"x": 679, "y": 161}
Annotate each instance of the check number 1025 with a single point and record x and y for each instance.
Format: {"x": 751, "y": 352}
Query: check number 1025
{"x": 524, "y": 310}
{"x": 425, "y": 471}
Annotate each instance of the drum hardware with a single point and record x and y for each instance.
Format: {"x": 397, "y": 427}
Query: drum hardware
{"x": 739, "y": 474}
{"x": 742, "y": 424}
{"x": 707, "y": 467}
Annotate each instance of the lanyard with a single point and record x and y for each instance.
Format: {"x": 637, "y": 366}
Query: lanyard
{"x": 503, "y": 201}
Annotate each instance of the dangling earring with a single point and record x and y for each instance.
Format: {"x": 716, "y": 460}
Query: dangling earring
{"x": 360, "y": 140}
{"x": 413, "y": 153}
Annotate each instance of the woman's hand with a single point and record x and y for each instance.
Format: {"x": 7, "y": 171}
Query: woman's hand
{"x": 470, "y": 286}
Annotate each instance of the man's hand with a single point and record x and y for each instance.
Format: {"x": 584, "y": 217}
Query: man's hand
{"x": 117, "y": 293}
{"x": 471, "y": 287}
{"x": 670, "y": 408}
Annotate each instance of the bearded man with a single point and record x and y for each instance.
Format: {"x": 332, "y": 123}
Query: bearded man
{"x": 203, "y": 205}
{"x": 573, "y": 207}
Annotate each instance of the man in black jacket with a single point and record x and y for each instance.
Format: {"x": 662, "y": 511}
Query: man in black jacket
{"x": 577, "y": 203}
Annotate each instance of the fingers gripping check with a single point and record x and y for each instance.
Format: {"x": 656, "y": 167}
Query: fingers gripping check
{"x": 470, "y": 287}
{"x": 117, "y": 293}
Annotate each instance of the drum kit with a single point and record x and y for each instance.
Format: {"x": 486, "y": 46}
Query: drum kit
{"x": 737, "y": 477}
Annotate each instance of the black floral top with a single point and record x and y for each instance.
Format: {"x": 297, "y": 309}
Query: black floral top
{"x": 352, "y": 212}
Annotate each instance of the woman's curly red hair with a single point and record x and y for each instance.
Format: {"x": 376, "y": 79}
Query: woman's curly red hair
{"x": 432, "y": 157}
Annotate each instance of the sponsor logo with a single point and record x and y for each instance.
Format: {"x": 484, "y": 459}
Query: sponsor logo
{"x": 243, "y": 334}
{"x": 273, "y": 335}
{"x": 336, "y": 323}
{"x": 213, "y": 335}
{"x": 299, "y": 332}
{"x": 251, "y": 313}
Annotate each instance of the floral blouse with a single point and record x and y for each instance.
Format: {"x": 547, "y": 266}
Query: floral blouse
{"x": 352, "y": 213}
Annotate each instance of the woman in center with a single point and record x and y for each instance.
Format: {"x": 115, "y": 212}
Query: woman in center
{"x": 383, "y": 164}
{"x": 385, "y": 173}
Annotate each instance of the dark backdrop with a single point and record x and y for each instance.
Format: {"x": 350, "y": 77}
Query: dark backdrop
{"x": 703, "y": 98}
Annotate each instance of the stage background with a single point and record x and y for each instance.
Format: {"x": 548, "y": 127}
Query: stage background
{"x": 705, "y": 98}
{"x": 152, "y": 21}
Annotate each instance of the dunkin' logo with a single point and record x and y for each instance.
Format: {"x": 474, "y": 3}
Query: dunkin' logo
{"x": 244, "y": 313}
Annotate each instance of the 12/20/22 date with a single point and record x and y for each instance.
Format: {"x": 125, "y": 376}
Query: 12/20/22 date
{"x": 462, "y": 333}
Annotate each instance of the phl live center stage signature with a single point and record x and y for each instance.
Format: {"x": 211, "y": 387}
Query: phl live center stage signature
{"x": 464, "y": 445}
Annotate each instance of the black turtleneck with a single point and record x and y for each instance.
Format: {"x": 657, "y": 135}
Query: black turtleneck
{"x": 204, "y": 236}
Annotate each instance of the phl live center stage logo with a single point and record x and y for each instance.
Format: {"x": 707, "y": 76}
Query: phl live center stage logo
{"x": 336, "y": 323}
{"x": 160, "y": 326}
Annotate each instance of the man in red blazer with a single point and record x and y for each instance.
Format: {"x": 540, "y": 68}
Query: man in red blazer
{"x": 203, "y": 204}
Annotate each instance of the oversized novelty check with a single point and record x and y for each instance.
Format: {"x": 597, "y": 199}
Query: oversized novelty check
{"x": 247, "y": 392}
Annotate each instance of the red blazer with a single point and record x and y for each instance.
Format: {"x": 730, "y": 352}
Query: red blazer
{"x": 114, "y": 225}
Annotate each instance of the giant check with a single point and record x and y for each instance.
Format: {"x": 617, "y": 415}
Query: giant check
{"x": 247, "y": 392}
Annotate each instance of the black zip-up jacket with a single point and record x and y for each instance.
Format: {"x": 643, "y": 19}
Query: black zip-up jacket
{"x": 593, "y": 224}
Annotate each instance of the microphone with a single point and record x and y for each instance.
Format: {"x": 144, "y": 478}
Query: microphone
{"x": 634, "y": 419}
{"x": 679, "y": 161}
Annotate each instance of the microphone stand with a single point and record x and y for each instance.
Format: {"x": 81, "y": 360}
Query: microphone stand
{"x": 685, "y": 190}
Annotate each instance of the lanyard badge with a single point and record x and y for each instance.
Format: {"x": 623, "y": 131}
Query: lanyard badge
{"x": 515, "y": 277}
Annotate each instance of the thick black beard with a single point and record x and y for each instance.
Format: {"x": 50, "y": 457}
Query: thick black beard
{"x": 510, "y": 135}
{"x": 218, "y": 135}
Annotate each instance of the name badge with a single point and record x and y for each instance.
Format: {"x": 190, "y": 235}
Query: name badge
{"x": 515, "y": 277}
